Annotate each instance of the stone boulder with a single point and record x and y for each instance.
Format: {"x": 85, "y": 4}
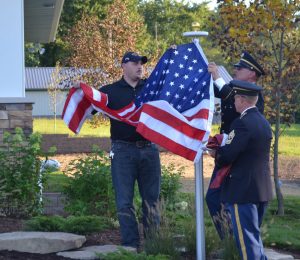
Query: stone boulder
{"x": 40, "y": 242}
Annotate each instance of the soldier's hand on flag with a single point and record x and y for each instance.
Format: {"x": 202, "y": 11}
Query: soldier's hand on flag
{"x": 213, "y": 69}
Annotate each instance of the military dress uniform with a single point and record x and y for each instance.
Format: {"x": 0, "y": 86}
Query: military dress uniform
{"x": 228, "y": 115}
{"x": 247, "y": 189}
{"x": 228, "y": 112}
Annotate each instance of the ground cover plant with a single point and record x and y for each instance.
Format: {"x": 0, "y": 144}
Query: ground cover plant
{"x": 74, "y": 224}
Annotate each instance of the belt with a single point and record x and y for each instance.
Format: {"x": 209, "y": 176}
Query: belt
{"x": 138, "y": 144}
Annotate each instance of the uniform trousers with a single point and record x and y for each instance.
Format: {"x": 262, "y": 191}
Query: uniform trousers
{"x": 246, "y": 220}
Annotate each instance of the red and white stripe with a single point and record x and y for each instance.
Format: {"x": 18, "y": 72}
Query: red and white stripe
{"x": 182, "y": 134}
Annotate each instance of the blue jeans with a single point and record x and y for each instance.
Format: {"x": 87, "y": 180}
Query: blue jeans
{"x": 130, "y": 163}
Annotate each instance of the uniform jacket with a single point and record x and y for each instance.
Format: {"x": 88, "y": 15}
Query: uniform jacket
{"x": 228, "y": 112}
{"x": 247, "y": 149}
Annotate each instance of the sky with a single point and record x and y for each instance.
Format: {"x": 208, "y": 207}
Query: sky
{"x": 212, "y": 3}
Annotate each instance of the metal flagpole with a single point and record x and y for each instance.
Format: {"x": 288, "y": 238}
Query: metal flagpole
{"x": 199, "y": 191}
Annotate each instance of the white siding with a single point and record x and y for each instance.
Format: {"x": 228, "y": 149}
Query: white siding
{"x": 12, "y": 49}
{"x": 42, "y": 104}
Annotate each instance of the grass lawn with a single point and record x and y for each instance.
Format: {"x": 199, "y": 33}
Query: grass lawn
{"x": 47, "y": 126}
{"x": 283, "y": 232}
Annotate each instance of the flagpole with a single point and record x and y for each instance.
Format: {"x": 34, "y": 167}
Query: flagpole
{"x": 198, "y": 166}
{"x": 200, "y": 232}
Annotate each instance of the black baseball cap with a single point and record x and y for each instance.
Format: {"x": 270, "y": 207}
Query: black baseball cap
{"x": 133, "y": 56}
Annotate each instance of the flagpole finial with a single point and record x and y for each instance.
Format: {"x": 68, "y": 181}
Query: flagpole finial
{"x": 195, "y": 33}
{"x": 195, "y": 26}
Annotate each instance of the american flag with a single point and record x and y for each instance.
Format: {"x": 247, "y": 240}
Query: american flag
{"x": 174, "y": 110}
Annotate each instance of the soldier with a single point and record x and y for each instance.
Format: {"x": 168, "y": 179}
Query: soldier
{"x": 247, "y": 189}
{"x": 247, "y": 69}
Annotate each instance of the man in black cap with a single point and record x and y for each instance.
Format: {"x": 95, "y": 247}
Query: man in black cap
{"x": 247, "y": 69}
{"x": 133, "y": 158}
{"x": 247, "y": 188}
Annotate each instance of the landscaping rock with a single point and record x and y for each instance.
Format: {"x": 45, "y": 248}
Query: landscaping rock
{"x": 272, "y": 255}
{"x": 87, "y": 253}
{"x": 40, "y": 242}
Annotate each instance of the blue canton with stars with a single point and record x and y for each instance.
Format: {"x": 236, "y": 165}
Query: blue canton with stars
{"x": 180, "y": 77}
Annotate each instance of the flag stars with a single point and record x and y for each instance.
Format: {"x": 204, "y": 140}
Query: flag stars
{"x": 198, "y": 92}
{"x": 192, "y": 101}
{"x": 156, "y": 73}
{"x": 184, "y": 98}
{"x": 189, "y": 49}
{"x": 190, "y": 68}
{"x": 176, "y": 75}
{"x": 167, "y": 71}
{"x": 176, "y": 52}
{"x": 204, "y": 83}
{"x": 179, "y": 107}
{"x": 176, "y": 96}
{"x": 166, "y": 61}
{"x": 186, "y": 76}
{"x": 194, "y": 61}
{"x": 171, "y": 61}
{"x": 181, "y": 66}
{"x": 171, "y": 83}
{"x": 151, "y": 92}
{"x": 195, "y": 80}
{"x": 202, "y": 95}
{"x": 190, "y": 89}
{"x": 200, "y": 70}
{"x": 154, "y": 82}
{"x": 185, "y": 57}
{"x": 181, "y": 86}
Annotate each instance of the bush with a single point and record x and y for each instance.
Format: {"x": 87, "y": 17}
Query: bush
{"x": 89, "y": 190}
{"x": 170, "y": 183}
{"x": 73, "y": 224}
{"x": 20, "y": 174}
{"x": 127, "y": 255}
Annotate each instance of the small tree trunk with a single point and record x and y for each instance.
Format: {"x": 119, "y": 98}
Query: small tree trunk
{"x": 279, "y": 196}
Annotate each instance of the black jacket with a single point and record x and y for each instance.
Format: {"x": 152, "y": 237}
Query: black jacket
{"x": 228, "y": 112}
{"x": 248, "y": 150}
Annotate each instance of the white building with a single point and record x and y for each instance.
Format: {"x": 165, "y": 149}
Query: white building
{"x": 21, "y": 20}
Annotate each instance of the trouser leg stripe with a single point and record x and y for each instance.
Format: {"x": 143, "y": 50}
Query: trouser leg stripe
{"x": 240, "y": 232}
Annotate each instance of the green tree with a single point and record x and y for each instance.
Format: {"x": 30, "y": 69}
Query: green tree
{"x": 99, "y": 45}
{"x": 269, "y": 30}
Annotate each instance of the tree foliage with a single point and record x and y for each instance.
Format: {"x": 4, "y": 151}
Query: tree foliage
{"x": 101, "y": 44}
{"x": 267, "y": 29}
{"x": 166, "y": 20}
